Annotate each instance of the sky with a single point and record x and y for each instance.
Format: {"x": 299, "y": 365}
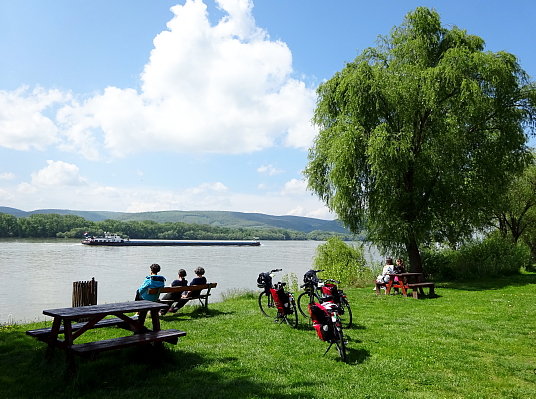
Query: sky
{"x": 138, "y": 106}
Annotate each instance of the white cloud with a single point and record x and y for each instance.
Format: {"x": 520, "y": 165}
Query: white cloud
{"x": 22, "y": 123}
{"x": 58, "y": 173}
{"x": 294, "y": 187}
{"x": 5, "y": 195}
{"x": 270, "y": 169}
{"x": 298, "y": 211}
{"x": 7, "y": 176}
{"x": 223, "y": 89}
{"x": 26, "y": 188}
{"x": 320, "y": 213}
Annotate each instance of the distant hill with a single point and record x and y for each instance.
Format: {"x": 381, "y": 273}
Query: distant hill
{"x": 212, "y": 218}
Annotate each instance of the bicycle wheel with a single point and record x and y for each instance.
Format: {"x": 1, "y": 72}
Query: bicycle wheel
{"x": 305, "y": 299}
{"x": 292, "y": 318}
{"x": 345, "y": 314}
{"x": 340, "y": 341}
{"x": 267, "y": 305}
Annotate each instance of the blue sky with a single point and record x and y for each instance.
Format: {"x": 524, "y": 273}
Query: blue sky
{"x": 137, "y": 106}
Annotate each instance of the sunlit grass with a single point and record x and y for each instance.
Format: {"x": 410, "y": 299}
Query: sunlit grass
{"x": 475, "y": 340}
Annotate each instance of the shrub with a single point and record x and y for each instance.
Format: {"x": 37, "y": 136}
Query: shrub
{"x": 492, "y": 256}
{"x": 292, "y": 282}
{"x": 342, "y": 262}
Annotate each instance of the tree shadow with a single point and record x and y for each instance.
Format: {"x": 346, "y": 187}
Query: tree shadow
{"x": 489, "y": 283}
{"x": 197, "y": 312}
{"x": 131, "y": 372}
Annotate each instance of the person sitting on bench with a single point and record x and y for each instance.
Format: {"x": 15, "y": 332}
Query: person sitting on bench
{"x": 152, "y": 281}
{"x": 176, "y": 296}
{"x": 199, "y": 280}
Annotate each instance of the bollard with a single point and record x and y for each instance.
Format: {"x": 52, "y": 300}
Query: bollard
{"x": 84, "y": 293}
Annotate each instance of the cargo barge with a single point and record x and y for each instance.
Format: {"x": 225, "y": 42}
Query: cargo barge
{"x": 115, "y": 240}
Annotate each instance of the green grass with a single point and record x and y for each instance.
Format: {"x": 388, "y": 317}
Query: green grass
{"x": 475, "y": 340}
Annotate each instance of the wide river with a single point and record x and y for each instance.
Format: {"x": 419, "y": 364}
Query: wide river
{"x": 39, "y": 274}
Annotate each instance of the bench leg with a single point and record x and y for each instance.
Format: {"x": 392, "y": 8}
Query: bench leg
{"x": 378, "y": 291}
{"x": 432, "y": 292}
{"x": 415, "y": 293}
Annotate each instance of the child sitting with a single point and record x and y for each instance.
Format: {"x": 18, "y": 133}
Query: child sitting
{"x": 175, "y": 296}
{"x": 199, "y": 280}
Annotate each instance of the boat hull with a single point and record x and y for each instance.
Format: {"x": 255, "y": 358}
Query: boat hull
{"x": 169, "y": 243}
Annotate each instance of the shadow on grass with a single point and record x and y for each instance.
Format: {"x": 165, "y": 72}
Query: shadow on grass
{"x": 144, "y": 371}
{"x": 197, "y": 312}
{"x": 356, "y": 356}
{"x": 489, "y": 283}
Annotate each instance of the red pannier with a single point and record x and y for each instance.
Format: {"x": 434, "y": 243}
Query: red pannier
{"x": 281, "y": 300}
{"x": 321, "y": 321}
{"x": 331, "y": 291}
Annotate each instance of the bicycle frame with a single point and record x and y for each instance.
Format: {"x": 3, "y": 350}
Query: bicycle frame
{"x": 275, "y": 302}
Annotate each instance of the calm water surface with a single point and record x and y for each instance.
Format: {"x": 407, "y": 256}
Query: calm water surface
{"x": 39, "y": 274}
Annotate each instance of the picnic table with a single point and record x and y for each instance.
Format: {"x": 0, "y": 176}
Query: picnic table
{"x": 405, "y": 282}
{"x": 95, "y": 314}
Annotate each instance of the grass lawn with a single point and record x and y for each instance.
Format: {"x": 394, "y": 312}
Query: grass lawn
{"x": 475, "y": 340}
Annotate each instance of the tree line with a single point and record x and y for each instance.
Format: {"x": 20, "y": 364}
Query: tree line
{"x": 53, "y": 225}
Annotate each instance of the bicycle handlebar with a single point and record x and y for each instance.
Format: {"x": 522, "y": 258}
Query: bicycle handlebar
{"x": 275, "y": 270}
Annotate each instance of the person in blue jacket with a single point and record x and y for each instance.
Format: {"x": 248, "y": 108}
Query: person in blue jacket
{"x": 199, "y": 280}
{"x": 152, "y": 281}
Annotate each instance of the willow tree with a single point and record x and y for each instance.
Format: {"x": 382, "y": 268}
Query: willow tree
{"x": 419, "y": 134}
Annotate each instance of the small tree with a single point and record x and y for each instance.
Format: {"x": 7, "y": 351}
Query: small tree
{"x": 516, "y": 215}
{"x": 342, "y": 262}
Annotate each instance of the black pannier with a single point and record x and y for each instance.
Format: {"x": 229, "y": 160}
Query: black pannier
{"x": 311, "y": 277}
{"x": 264, "y": 281}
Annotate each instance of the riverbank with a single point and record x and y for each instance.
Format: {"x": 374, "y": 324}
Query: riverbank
{"x": 475, "y": 340}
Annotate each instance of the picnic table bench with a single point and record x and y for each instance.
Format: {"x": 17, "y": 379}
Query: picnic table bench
{"x": 195, "y": 292}
{"x": 96, "y": 314}
{"x": 405, "y": 282}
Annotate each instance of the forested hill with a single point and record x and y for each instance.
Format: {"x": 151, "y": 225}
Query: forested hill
{"x": 212, "y": 218}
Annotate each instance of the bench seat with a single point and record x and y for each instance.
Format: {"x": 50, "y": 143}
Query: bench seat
{"x": 418, "y": 288}
{"x": 203, "y": 298}
{"x": 43, "y": 333}
{"x": 91, "y": 348}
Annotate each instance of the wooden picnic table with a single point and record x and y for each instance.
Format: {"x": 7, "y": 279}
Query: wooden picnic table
{"x": 405, "y": 282}
{"x": 95, "y": 314}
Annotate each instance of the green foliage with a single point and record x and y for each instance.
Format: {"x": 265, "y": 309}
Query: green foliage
{"x": 292, "y": 282}
{"x": 342, "y": 262}
{"x": 70, "y": 226}
{"x": 515, "y": 212}
{"x": 419, "y": 134}
{"x": 233, "y": 220}
{"x": 493, "y": 256}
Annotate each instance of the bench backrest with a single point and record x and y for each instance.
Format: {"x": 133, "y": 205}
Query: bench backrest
{"x": 165, "y": 290}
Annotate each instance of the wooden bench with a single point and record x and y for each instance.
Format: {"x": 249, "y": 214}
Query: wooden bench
{"x": 203, "y": 298}
{"x": 378, "y": 287}
{"x": 90, "y": 349}
{"x": 418, "y": 288}
{"x": 42, "y": 334}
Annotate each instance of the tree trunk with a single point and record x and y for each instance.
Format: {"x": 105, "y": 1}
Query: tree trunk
{"x": 415, "y": 262}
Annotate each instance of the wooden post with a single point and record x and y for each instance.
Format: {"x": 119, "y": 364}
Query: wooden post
{"x": 84, "y": 293}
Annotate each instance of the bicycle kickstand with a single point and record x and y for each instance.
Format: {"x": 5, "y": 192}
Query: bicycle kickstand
{"x": 327, "y": 350}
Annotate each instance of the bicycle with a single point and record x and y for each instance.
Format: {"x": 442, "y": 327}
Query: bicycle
{"x": 310, "y": 294}
{"x": 327, "y": 324}
{"x": 275, "y": 302}
{"x": 330, "y": 292}
{"x": 327, "y": 289}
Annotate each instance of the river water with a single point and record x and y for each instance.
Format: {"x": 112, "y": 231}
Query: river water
{"x": 39, "y": 274}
